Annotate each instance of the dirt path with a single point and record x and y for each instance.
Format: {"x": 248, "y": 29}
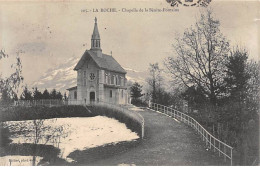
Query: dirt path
{"x": 166, "y": 142}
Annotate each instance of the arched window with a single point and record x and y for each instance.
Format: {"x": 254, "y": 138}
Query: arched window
{"x": 116, "y": 80}
{"x": 106, "y": 80}
{"x": 122, "y": 81}
{"x": 113, "y": 79}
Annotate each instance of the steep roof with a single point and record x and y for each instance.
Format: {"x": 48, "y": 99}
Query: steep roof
{"x": 106, "y": 62}
{"x": 72, "y": 88}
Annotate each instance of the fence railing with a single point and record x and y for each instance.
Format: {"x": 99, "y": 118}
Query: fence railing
{"x": 41, "y": 102}
{"x": 212, "y": 143}
{"x": 122, "y": 108}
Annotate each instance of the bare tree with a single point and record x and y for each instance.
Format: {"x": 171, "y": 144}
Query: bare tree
{"x": 38, "y": 132}
{"x": 9, "y": 86}
{"x": 155, "y": 80}
{"x": 253, "y": 86}
{"x": 200, "y": 57}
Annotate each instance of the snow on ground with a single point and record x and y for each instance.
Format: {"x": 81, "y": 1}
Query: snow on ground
{"x": 123, "y": 164}
{"x": 84, "y": 132}
{"x": 18, "y": 160}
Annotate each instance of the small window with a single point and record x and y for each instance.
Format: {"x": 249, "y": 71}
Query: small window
{"x": 109, "y": 79}
{"x": 122, "y": 93}
{"x": 121, "y": 81}
{"x": 113, "y": 79}
{"x": 75, "y": 94}
{"x": 106, "y": 81}
{"x": 116, "y": 80}
{"x": 111, "y": 93}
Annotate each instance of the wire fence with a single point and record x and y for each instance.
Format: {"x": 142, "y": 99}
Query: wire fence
{"x": 41, "y": 102}
{"x": 212, "y": 143}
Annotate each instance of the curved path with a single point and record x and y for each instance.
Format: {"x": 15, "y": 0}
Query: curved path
{"x": 167, "y": 142}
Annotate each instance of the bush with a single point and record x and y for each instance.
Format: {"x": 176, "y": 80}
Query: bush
{"x": 42, "y": 112}
{"x": 236, "y": 125}
{"x": 139, "y": 103}
{"x": 4, "y": 136}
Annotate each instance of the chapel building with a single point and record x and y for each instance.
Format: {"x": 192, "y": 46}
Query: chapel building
{"x": 100, "y": 78}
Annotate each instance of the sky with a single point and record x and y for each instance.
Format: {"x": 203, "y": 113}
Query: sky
{"x": 49, "y": 33}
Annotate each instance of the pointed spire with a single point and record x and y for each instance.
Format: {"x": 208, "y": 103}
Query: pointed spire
{"x": 95, "y": 40}
{"x": 95, "y": 34}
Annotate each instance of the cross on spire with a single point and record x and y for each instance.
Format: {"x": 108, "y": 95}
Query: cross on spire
{"x": 95, "y": 40}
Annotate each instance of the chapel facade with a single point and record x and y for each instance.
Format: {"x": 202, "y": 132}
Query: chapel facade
{"x": 100, "y": 78}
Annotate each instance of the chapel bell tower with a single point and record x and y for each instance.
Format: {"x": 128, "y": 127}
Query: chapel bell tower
{"x": 95, "y": 41}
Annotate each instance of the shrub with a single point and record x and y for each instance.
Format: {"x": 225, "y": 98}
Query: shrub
{"x": 122, "y": 117}
{"x": 42, "y": 112}
{"x": 139, "y": 103}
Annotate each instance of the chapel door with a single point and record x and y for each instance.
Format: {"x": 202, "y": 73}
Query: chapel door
{"x": 92, "y": 96}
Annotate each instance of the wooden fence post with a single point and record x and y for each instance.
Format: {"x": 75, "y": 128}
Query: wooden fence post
{"x": 209, "y": 142}
{"x": 214, "y": 146}
{"x": 231, "y": 157}
{"x": 142, "y": 130}
{"x": 218, "y": 148}
{"x": 206, "y": 139}
{"x": 224, "y": 153}
{"x": 203, "y": 134}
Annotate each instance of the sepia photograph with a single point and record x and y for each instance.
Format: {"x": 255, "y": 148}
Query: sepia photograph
{"x": 129, "y": 82}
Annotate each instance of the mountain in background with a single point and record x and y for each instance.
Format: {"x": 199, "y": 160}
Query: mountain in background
{"x": 63, "y": 77}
